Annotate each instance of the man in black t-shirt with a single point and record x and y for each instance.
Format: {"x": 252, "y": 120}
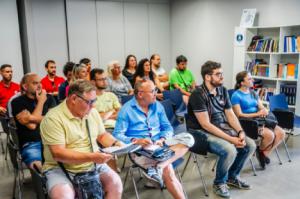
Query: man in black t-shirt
{"x": 28, "y": 111}
{"x": 210, "y": 113}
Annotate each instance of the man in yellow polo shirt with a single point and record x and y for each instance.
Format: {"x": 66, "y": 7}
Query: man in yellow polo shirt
{"x": 65, "y": 133}
{"x": 107, "y": 103}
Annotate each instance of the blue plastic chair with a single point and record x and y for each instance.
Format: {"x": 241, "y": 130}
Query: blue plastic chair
{"x": 230, "y": 92}
{"x": 278, "y": 102}
{"x": 285, "y": 117}
{"x": 176, "y": 97}
{"x": 126, "y": 98}
{"x": 169, "y": 109}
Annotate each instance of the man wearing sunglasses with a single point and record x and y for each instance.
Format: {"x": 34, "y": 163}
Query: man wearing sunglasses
{"x": 70, "y": 133}
{"x": 143, "y": 121}
{"x": 210, "y": 113}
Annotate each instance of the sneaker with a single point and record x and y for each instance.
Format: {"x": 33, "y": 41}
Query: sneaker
{"x": 261, "y": 158}
{"x": 221, "y": 190}
{"x": 154, "y": 175}
{"x": 267, "y": 160}
{"x": 238, "y": 183}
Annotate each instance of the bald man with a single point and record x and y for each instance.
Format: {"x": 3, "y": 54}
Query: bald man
{"x": 28, "y": 111}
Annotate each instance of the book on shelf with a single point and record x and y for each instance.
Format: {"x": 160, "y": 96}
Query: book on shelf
{"x": 289, "y": 90}
{"x": 291, "y": 43}
{"x": 258, "y": 67}
{"x": 287, "y": 71}
{"x": 264, "y": 93}
{"x": 261, "y": 44}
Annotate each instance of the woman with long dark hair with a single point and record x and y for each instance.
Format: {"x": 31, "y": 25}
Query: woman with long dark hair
{"x": 247, "y": 104}
{"x": 144, "y": 71}
{"x": 130, "y": 68}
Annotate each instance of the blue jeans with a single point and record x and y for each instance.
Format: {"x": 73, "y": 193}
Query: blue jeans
{"x": 31, "y": 151}
{"x": 231, "y": 159}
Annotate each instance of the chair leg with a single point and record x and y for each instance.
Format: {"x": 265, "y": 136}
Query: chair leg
{"x": 134, "y": 184}
{"x": 124, "y": 162}
{"x": 2, "y": 145}
{"x": 201, "y": 176}
{"x": 186, "y": 164}
{"x": 253, "y": 168}
{"x": 15, "y": 183}
{"x": 214, "y": 166}
{"x": 287, "y": 151}
{"x": 6, "y": 147}
{"x": 277, "y": 154}
{"x": 126, "y": 176}
{"x": 20, "y": 183}
{"x": 180, "y": 180}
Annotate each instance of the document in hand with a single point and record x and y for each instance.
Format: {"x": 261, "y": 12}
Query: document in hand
{"x": 117, "y": 150}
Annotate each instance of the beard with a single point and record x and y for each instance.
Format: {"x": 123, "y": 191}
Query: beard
{"x": 216, "y": 84}
{"x": 101, "y": 87}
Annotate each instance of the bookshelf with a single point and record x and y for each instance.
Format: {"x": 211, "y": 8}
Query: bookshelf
{"x": 266, "y": 52}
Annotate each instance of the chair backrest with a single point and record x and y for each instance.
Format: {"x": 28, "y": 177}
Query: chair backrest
{"x": 175, "y": 96}
{"x": 4, "y": 122}
{"x": 13, "y": 151}
{"x": 169, "y": 109}
{"x": 126, "y": 98}
{"x": 278, "y": 102}
{"x": 13, "y": 135}
{"x": 230, "y": 92}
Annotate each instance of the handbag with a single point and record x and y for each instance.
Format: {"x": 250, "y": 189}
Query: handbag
{"x": 87, "y": 185}
{"x": 269, "y": 121}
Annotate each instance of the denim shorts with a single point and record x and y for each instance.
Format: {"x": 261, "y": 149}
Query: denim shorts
{"x": 31, "y": 151}
{"x": 56, "y": 176}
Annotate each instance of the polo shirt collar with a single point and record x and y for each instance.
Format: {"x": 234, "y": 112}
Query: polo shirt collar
{"x": 217, "y": 89}
{"x": 134, "y": 103}
{"x": 5, "y": 85}
{"x": 68, "y": 113}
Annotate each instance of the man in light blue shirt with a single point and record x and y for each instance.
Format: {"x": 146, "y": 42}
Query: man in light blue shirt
{"x": 143, "y": 121}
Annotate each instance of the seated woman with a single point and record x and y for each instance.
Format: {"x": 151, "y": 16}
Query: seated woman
{"x": 80, "y": 71}
{"x": 144, "y": 72}
{"x": 129, "y": 68}
{"x": 247, "y": 104}
{"x": 117, "y": 83}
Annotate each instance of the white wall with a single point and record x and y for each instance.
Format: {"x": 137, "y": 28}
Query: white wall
{"x": 10, "y": 46}
{"x": 203, "y": 29}
{"x": 110, "y": 30}
{"x": 47, "y": 38}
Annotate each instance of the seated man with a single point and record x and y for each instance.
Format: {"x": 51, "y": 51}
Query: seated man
{"x": 159, "y": 71}
{"x": 143, "y": 121}
{"x": 70, "y": 133}
{"x": 210, "y": 112}
{"x": 107, "y": 103}
{"x": 28, "y": 110}
{"x": 182, "y": 78}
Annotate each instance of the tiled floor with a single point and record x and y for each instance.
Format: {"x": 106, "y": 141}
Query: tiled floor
{"x": 276, "y": 182}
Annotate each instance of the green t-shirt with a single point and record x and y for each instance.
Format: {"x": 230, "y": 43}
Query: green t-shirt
{"x": 181, "y": 78}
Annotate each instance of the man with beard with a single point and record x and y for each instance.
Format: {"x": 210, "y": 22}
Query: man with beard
{"x": 182, "y": 78}
{"x": 7, "y": 87}
{"x": 107, "y": 103}
{"x": 159, "y": 71}
{"x": 51, "y": 81}
{"x": 210, "y": 113}
{"x": 28, "y": 111}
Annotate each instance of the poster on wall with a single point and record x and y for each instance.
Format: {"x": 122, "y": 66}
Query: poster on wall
{"x": 248, "y": 16}
{"x": 239, "y": 36}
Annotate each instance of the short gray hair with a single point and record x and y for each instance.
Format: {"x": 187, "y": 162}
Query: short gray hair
{"x": 110, "y": 66}
{"x": 139, "y": 84}
{"x": 79, "y": 87}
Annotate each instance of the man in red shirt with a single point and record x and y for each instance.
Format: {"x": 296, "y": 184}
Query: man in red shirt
{"x": 7, "y": 87}
{"x": 51, "y": 81}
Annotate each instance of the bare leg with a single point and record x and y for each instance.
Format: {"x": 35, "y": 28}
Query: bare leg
{"x": 185, "y": 99}
{"x": 113, "y": 165}
{"x": 179, "y": 149}
{"x": 38, "y": 165}
{"x": 269, "y": 137}
{"x": 112, "y": 185}
{"x": 172, "y": 183}
{"x": 62, "y": 191}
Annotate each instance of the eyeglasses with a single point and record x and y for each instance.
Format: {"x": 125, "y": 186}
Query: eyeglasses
{"x": 153, "y": 91}
{"x": 88, "y": 102}
{"x": 218, "y": 74}
{"x": 101, "y": 79}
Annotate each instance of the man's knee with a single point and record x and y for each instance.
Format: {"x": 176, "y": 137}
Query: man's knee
{"x": 225, "y": 150}
{"x": 168, "y": 173}
{"x": 62, "y": 191}
{"x": 111, "y": 182}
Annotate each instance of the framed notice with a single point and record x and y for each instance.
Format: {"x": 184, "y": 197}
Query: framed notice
{"x": 248, "y": 16}
{"x": 239, "y": 36}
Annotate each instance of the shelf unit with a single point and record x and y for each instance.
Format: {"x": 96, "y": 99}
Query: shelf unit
{"x": 278, "y": 33}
